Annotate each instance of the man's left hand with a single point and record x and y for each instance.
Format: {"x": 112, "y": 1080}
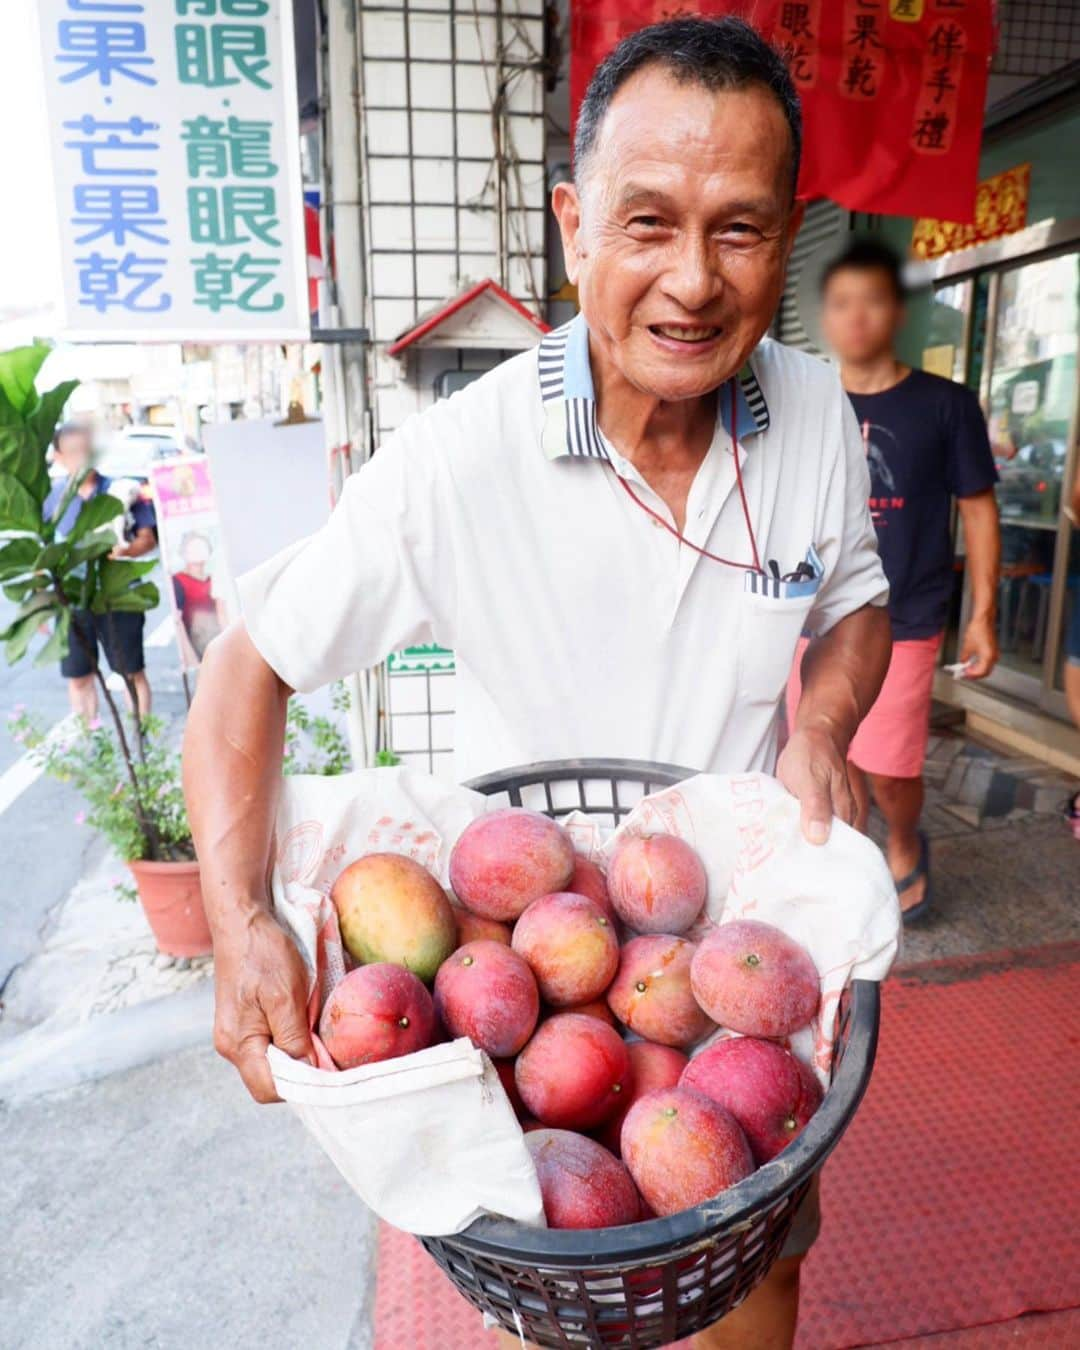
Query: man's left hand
{"x": 980, "y": 648}
{"x": 813, "y": 769}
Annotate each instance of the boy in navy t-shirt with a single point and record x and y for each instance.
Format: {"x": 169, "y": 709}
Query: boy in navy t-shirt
{"x": 926, "y": 444}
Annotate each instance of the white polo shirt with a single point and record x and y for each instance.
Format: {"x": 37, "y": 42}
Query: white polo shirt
{"x": 493, "y": 523}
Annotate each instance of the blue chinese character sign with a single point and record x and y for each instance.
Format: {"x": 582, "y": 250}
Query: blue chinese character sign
{"x": 176, "y": 161}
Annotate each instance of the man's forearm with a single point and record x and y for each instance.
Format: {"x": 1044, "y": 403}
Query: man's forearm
{"x": 232, "y": 762}
{"x": 982, "y": 547}
{"x": 842, "y": 673}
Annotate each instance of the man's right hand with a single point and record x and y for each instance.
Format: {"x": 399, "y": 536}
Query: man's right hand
{"x": 261, "y": 994}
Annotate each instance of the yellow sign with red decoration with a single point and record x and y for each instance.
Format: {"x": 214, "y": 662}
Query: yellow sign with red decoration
{"x": 1001, "y": 205}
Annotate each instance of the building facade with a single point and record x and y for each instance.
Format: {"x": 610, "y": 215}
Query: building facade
{"x": 996, "y": 307}
{"x": 454, "y": 180}
{"x": 465, "y": 127}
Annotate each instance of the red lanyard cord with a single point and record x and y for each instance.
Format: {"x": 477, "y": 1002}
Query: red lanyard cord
{"x": 756, "y": 567}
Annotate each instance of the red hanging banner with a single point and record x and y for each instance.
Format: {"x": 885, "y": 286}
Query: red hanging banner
{"x": 893, "y": 91}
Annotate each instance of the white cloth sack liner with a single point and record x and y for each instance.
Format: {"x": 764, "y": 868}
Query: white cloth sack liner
{"x": 429, "y": 1141}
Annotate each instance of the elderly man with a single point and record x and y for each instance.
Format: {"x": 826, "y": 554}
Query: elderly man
{"x": 621, "y": 534}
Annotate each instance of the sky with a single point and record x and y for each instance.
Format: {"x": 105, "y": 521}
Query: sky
{"x": 29, "y": 259}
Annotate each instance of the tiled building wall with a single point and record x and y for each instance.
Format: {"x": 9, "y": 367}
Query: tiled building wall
{"x": 431, "y": 71}
{"x": 406, "y": 386}
{"x": 422, "y": 719}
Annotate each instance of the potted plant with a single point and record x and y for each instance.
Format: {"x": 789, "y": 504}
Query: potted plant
{"x": 125, "y": 770}
{"x": 121, "y": 798}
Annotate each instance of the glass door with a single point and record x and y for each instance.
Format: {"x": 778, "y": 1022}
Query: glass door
{"x": 949, "y": 331}
{"x": 1065, "y": 694}
{"x": 1029, "y": 387}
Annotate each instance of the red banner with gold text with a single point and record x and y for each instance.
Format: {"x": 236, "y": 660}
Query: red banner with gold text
{"x": 892, "y": 90}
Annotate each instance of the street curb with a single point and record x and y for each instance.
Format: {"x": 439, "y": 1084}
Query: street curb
{"x": 35, "y": 1063}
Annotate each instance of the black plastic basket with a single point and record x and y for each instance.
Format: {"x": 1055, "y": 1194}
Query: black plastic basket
{"x": 648, "y": 1284}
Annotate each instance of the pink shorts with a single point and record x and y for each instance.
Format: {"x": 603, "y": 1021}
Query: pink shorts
{"x": 891, "y": 739}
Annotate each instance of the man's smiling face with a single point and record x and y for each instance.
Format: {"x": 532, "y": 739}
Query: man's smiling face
{"x": 680, "y": 232}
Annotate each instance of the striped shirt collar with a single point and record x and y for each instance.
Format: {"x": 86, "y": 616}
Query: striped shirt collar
{"x": 566, "y": 387}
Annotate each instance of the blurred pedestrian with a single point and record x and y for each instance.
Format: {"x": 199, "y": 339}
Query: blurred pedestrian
{"x": 926, "y": 445}
{"x": 119, "y": 635}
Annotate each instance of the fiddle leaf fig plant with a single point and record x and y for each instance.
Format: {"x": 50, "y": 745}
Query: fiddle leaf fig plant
{"x": 49, "y": 578}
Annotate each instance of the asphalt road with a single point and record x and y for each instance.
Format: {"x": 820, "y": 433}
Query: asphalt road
{"x": 40, "y": 844}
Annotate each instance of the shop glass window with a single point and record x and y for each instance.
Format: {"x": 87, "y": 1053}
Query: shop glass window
{"x": 947, "y": 338}
{"x": 1031, "y": 404}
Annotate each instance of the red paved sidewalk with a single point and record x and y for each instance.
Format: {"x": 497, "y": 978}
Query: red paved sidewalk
{"x": 956, "y": 1183}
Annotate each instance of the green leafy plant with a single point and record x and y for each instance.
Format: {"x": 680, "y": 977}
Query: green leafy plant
{"x": 317, "y": 744}
{"x": 50, "y": 578}
{"x": 88, "y": 756}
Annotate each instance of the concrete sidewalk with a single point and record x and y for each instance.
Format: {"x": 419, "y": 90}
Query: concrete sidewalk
{"x": 156, "y": 1206}
{"x": 162, "y": 1208}
{"x": 1005, "y": 868}
{"x": 97, "y": 997}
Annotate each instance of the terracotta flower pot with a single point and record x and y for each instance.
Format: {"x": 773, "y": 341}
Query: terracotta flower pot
{"x": 172, "y": 901}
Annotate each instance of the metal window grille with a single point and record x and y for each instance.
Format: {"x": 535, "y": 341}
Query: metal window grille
{"x": 429, "y": 75}
{"x": 824, "y": 222}
{"x": 421, "y": 718}
{"x": 1036, "y": 37}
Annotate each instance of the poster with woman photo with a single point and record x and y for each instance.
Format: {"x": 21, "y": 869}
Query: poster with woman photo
{"x": 190, "y": 541}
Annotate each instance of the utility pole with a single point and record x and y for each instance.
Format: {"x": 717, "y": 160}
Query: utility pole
{"x": 343, "y": 216}
{"x": 342, "y": 308}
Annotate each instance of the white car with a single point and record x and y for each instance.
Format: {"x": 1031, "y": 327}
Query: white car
{"x": 136, "y": 448}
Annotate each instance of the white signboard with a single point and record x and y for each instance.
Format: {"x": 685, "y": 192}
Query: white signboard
{"x": 1025, "y": 396}
{"x": 270, "y": 484}
{"x": 175, "y": 156}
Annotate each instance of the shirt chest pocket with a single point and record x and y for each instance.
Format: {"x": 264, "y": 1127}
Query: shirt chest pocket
{"x": 769, "y": 630}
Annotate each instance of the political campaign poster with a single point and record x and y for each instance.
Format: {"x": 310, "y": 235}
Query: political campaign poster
{"x": 192, "y": 557}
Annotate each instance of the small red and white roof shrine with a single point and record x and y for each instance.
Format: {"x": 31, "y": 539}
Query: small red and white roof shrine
{"x": 484, "y": 316}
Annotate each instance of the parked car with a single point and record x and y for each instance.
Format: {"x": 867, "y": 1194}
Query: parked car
{"x": 1031, "y": 479}
{"x": 136, "y": 448}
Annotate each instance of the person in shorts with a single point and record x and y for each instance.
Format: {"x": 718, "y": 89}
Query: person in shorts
{"x": 119, "y": 636}
{"x": 926, "y": 446}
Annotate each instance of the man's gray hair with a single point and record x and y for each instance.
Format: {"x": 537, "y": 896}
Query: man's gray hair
{"x": 717, "y": 54}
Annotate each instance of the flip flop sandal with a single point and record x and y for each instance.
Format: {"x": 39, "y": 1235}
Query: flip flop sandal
{"x": 1071, "y": 811}
{"x": 921, "y": 869}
